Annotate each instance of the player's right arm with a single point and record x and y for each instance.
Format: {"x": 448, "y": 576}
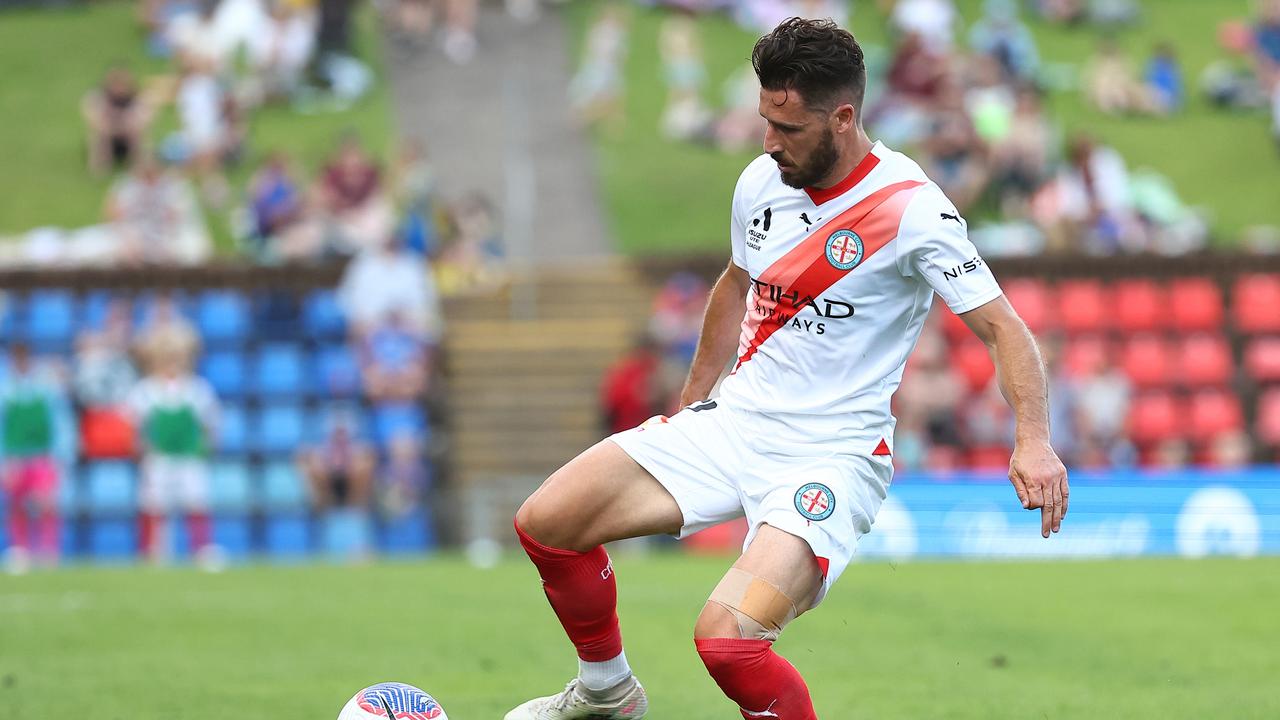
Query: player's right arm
{"x": 719, "y": 338}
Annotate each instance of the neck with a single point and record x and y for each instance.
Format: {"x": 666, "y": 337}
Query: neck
{"x": 855, "y": 150}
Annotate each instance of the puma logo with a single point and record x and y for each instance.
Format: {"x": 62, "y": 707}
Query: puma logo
{"x": 948, "y": 216}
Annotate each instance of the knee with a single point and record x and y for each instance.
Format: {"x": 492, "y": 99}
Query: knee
{"x": 546, "y": 520}
{"x": 715, "y": 621}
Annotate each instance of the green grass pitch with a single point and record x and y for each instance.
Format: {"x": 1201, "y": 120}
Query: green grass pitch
{"x": 1117, "y": 639}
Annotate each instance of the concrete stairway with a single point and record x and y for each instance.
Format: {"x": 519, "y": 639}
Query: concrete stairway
{"x": 523, "y": 367}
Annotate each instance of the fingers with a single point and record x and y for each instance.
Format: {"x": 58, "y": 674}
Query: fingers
{"x": 1065, "y": 491}
{"x": 1020, "y": 488}
{"x": 1035, "y": 495}
{"x": 1046, "y": 518}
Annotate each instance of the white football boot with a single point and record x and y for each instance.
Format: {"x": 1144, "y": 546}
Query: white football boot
{"x": 627, "y": 701}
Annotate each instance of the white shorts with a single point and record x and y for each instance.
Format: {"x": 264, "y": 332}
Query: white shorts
{"x": 720, "y": 463}
{"x": 170, "y": 483}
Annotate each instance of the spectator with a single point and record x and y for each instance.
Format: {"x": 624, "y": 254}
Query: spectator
{"x": 1164, "y": 79}
{"x": 596, "y": 89}
{"x": 1021, "y": 159}
{"x": 281, "y": 52}
{"x": 211, "y": 131}
{"x": 339, "y": 468}
{"x": 116, "y": 116}
{"x": 1001, "y": 35}
{"x": 390, "y": 281}
{"x": 281, "y": 230}
{"x": 155, "y": 217}
{"x": 103, "y": 377}
{"x": 954, "y": 156}
{"x": 631, "y": 392}
{"x": 413, "y": 183}
{"x": 395, "y": 361}
{"x": 686, "y": 116}
{"x": 197, "y": 38}
{"x": 677, "y": 315}
{"x": 350, "y": 194}
{"x": 404, "y": 481}
{"x": 1091, "y": 202}
{"x": 34, "y": 436}
{"x": 1112, "y": 85}
{"x": 473, "y": 255}
{"x": 176, "y": 414}
{"x": 933, "y": 20}
{"x": 1103, "y": 395}
{"x": 164, "y": 329}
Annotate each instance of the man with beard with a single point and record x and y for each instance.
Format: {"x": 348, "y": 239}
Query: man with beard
{"x": 838, "y": 245}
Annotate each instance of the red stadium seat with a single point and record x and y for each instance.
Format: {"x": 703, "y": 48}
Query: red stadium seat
{"x": 1262, "y": 359}
{"x": 1255, "y": 303}
{"x": 1140, "y": 305}
{"x": 1214, "y": 412}
{"x": 972, "y": 360}
{"x": 952, "y": 325}
{"x": 1205, "y": 359}
{"x": 1083, "y": 306}
{"x": 1084, "y": 354}
{"x": 1268, "y": 424}
{"x": 1154, "y": 417}
{"x": 1196, "y": 304}
{"x": 1147, "y": 360}
{"x": 1033, "y": 301}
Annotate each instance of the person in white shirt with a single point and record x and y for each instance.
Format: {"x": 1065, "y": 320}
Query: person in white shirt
{"x": 838, "y": 245}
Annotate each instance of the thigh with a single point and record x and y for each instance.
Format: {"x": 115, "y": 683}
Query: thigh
{"x": 193, "y": 477}
{"x": 600, "y": 496}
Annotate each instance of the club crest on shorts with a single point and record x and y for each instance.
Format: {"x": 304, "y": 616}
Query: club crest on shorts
{"x": 815, "y": 501}
{"x": 844, "y": 249}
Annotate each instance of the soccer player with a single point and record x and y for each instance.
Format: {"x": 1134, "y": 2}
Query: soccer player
{"x": 838, "y": 245}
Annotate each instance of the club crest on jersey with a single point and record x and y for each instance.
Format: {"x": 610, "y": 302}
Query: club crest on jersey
{"x": 844, "y": 249}
{"x": 815, "y": 501}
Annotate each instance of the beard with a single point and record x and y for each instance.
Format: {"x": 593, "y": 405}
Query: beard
{"x": 821, "y": 160}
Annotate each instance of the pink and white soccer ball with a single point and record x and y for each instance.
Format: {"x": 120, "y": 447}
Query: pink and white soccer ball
{"x": 392, "y": 701}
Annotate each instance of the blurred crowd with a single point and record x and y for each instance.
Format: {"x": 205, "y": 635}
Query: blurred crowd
{"x": 969, "y": 103}
{"x": 139, "y": 386}
{"x": 170, "y": 190}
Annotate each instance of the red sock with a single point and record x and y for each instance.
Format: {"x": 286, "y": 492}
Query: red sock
{"x": 18, "y": 536}
{"x": 583, "y": 594}
{"x": 198, "y": 530}
{"x": 148, "y": 532}
{"x": 751, "y": 674}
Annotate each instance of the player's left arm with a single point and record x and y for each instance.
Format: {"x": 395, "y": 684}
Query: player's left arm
{"x": 1037, "y": 474}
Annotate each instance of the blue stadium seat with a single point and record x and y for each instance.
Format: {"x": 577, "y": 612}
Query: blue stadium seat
{"x": 49, "y": 320}
{"x": 346, "y": 533}
{"x": 277, "y": 429}
{"x": 233, "y": 430}
{"x": 4, "y": 366}
{"x": 322, "y": 316}
{"x": 412, "y": 532}
{"x": 93, "y": 309}
{"x": 337, "y": 372}
{"x": 113, "y": 538}
{"x": 278, "y": 370}
{"x": 110, "y": 487}
{"x": 398, "y": 418}
{"x": 67, "y": 490}
{"x": 231, "y": 488}
{"x": 7, "y": 301}
{"x": 223, "y": 317}
{"x": 234, "y": 535}
{"x": 225, "y": 371}
{"x": 283, "y": 487}
{"x": 145, "y": 302}
{"x": 287, "y": 536}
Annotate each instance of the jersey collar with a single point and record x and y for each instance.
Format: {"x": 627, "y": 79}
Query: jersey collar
{"x": 822, "y": 195}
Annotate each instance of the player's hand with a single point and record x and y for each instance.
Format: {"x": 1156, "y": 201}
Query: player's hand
{"x": 1040, "y": 480}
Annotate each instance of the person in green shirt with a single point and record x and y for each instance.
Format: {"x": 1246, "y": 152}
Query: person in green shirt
{"x": 35, "y": 435}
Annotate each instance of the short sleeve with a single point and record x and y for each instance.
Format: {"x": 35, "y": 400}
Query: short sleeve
{"x": 933, "y": 245}
{"x": 738, "y": 227}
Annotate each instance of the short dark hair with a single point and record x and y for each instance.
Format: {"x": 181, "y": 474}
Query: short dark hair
{"x": 817, "y": 58}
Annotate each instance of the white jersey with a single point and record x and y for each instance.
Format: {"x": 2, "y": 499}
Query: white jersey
{"x": 842, "y": 280}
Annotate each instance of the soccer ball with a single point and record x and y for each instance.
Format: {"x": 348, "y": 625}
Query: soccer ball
{"x": 392, "y": 701}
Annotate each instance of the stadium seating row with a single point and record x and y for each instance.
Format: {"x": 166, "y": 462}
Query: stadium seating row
{"x": 1140, "y": 305}
{"x": 282, "y": 369}
{"x": 50, "y": 319}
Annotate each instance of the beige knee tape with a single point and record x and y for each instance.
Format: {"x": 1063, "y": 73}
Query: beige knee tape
{"x": 761, "y": 608}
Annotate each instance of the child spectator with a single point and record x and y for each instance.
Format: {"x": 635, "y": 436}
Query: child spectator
{"x": 176, "y": 413}
{"x": 103, "y": 377}
{"x": 631, "y": 392}
{"x": 1164, "y": 79}
{"x": 35, "y": 433}
{"x": 1112, "y": 85}
{"x": 116, "y": 116}
{"x": 596, "y": 89}
{"x": 686, "y": 116}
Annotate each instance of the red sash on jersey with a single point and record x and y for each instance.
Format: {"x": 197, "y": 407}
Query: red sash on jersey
{"x": 805, "y": 270}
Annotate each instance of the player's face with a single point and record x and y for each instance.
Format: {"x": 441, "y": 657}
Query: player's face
{"x": 800, "y": 139}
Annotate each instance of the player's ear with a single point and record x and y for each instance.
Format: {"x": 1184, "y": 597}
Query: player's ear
{"x": 846, "y": 117}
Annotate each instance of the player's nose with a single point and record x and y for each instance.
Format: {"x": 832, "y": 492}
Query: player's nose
{"x": 771, "y": 144}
